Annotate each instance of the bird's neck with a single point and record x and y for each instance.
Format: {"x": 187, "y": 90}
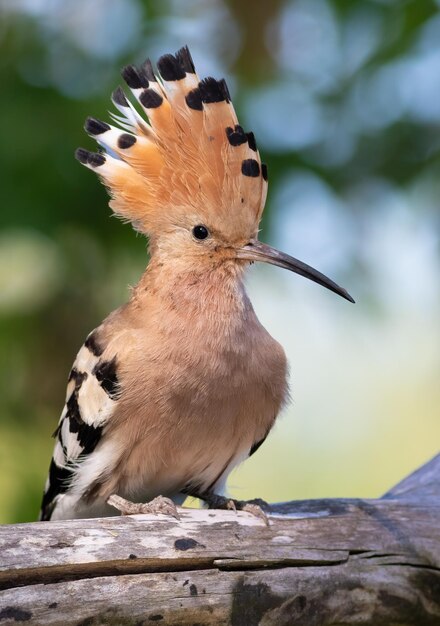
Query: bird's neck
{"x": 199, "y": 294}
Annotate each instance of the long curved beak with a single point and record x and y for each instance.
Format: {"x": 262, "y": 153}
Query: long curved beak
{"x": 257, "y": 251}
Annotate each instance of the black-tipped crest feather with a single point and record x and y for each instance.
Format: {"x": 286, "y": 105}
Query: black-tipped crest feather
{"x": 95, "y": 159}
{"x": 250, "y": 167}
{"x": 236, "y": 136}
{"x": 126, "y": 141}
{"x": 150, "y": 99}
{"x": 212, "y": 90}
{"x": 95, "y": 127}
{"x": 170, "y": 68}
{"x": 148, "y": 71}
{"x": 251, "y": 141}
{"x": 135, "y": 78}
{"x": 194, "y": 99}
{"x": 119, "y": 97}
{"x": 185, "y": 59}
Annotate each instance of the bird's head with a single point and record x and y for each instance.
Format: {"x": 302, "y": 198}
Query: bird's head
{"x": 190, "y": 177}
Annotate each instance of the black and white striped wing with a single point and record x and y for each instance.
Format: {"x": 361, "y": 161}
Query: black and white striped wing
{"x": 91, "y": 396}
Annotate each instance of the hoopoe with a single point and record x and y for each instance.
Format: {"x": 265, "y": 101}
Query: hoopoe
{"x": 182, "y": 383}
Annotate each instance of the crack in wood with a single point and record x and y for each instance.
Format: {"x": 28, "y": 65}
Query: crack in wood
{"x": 55, "y": 574}
{"x": 84, "y": 571}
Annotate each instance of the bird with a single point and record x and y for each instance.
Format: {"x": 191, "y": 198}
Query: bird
{"x": 181, "y": 383}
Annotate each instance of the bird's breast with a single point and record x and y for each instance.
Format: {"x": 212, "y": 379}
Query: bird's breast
{"x": 198, "y": 391}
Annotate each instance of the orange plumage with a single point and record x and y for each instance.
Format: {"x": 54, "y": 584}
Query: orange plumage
{"x": 188, "y": 156}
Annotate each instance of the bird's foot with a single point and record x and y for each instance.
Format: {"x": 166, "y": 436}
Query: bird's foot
{"x": 255, "y": 507}
{"x": 157, "y": 505}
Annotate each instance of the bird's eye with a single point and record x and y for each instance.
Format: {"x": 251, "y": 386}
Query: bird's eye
{"x": 200, "y": 232}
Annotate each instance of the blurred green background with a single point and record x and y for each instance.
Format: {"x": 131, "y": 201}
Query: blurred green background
{"x": 344, "y": 98}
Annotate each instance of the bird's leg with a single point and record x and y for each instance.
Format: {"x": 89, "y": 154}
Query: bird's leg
{"x": 256, "y": 506}
{"x": 160, "y": 504}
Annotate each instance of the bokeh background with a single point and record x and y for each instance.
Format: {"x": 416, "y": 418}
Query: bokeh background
{"x": 344, "y": 98}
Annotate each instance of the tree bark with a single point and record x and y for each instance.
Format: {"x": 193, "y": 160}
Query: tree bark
{"x": 320, "y": 562}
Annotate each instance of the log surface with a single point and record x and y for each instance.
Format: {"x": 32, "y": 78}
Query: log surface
{"x": 320, "y": 562}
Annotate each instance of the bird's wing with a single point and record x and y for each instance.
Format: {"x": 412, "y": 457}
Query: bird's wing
{"x": 91, "y": 398}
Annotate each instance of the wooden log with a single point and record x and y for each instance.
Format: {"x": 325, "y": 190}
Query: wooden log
{"x": 332, "y": 561}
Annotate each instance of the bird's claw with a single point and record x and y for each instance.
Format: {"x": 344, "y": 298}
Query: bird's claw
{"x": 254, "y": 507}
{"x": 158, "y": 505}
{"x": 260, "y": 502}
{"x": 231, "y": 505}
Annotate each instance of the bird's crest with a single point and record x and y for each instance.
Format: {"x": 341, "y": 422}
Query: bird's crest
{"x": 191, "y": 153}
